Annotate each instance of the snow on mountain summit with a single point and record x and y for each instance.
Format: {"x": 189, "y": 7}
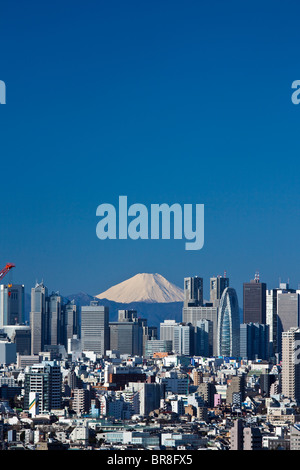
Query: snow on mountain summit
{"x": 143, "y": 287}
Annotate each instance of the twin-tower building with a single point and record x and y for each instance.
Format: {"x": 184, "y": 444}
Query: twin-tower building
{"x": 220, "y": 315}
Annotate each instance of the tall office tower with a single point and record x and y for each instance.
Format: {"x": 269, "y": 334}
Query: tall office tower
{"x": 54, "y": 319}
{"x": 149, "y": 334}
{"x": 204, "y": 338}
{"x": 38, "y": 317}
{"x": 229, "y": 324}
{"x": 46, "y": 380}
{"x": 217, "y": 286}
{"x": 70, "y": 327}
{"x": 167, "y": 331}
{"x": 290, "y": 372}
{"x": 271, "y": 318}
{"x": 95, "y": 328}
{"x": 194, "y": 314}
{"x": 254, "y": 307}
{"x": 288, "y": 311}
{"x": 254, "y": 341}
{"x": 184, "y": 337}
{"x": 125, "y": 337}
{"x": 11, "y": 304}
{"x": 272, "y": 315}
{"x": 193, "y": 291}
{"x": 127, "y": 315}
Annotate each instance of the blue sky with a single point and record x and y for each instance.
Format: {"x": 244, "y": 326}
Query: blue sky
{"x": 162, "y": 101}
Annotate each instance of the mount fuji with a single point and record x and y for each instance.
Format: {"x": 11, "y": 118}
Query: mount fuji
{"x": 144, "y": 287}
{"x": 151, "y": 295}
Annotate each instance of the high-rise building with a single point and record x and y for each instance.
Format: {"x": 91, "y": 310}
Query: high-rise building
{"x": 54, "y": 319}
{"x": 217, "y": 286}
{"x": 254, "y": 341}
{"x": 194, "y": 314}
{"x": 254, "y": 305}
{"x": 204, "y": 338}
{"x": 127, "y": 315}
{"x": 167, "y": 330}
{"x": 184, "y": 339}
{"x": 228, "y": 324}
{"x": 125, "y": 337}
{"x": 288, "y": 311}
{"x": 290, "y": 371}
{"x": 193, "y": 291}
{"x": 95, "y": 328}
{"x": 272, "y": 315}
{"x": 70, "y": 324}
{"x": 38, "y": 317}
{"x": 45, "y": 379}
{"x": 11, "y": 304}
{"x": 236, "y": 435}
{"x": 252, "y": 438}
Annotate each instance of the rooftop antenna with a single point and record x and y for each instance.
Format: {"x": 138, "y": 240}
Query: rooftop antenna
{"x": 225, "y": 274}
{"x": 257, "y": 276}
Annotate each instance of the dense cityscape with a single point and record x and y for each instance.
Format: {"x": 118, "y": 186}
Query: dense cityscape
{"x": 73, "y": 379}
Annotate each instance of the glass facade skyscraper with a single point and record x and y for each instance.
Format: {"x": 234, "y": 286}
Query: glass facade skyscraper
{"x": 228, "y": 336}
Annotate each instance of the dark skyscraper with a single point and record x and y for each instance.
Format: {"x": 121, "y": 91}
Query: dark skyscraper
{"x": 254, "y": 296}
{"x": 193, "y": 291}
{"x": 217, "y": 286}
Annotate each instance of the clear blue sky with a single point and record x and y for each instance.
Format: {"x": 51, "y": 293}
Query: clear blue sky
{"x": 162, "y": 101}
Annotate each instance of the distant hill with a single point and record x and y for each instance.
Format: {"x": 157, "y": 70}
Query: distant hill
{"x": 154, "y": 312}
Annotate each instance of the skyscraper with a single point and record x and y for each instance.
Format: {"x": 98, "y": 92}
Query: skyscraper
{"x": 254, "y": 341}
{"x": 11, "y": 304}
{"x": 290, "y": 372}
{"x": 38, "y": 317}
{"x": 288, "y": 311}
{"x": 184, "y": 339}
{"x": 193, "y": 291}
{"x": 194, "y": 314}
{"x": 45, "y": 379}
{"x": 125, "y": 337}
{"x": 254, "y": 306}
{"x": 95, "y": 328}
{"x": 70, "y": 324}
{"x": 228, "y": 324}
{"x": 167, "y": 330}
{"x": 272, "y": 315}
{"x": 54, "y": 319}
{"x": 204, "y": 338}
{"x": 217, "y": 286}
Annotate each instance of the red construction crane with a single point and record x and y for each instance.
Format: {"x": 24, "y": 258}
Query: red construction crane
{"x": 5, "y": 270}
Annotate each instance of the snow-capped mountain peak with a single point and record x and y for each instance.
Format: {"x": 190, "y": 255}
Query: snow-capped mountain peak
{"x": 144, "y": 287}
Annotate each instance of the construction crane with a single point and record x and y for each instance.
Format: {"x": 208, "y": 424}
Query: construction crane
{"x": 5, "y": 270}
